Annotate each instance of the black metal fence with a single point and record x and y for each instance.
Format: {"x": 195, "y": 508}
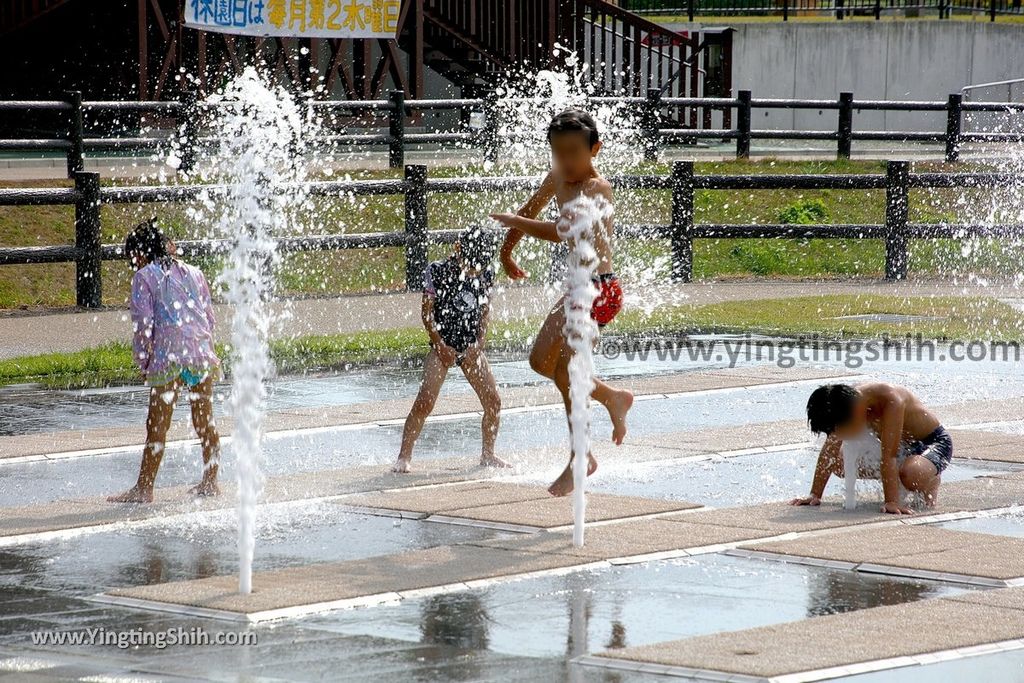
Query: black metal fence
{"x": 841, "y": 9}
{"x": 87, "y": 196}
{"x": 652, "y": 117}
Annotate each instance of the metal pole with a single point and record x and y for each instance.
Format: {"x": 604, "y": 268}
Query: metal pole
{"x": 76, "y": 133}
{"x": 743, "y": 116}
{"x": 415, "y": 226}
{"x": 897, "y": 260}
{"x": 954, "y": 108}
{"x": 396, "y": 130}
{"x": 490, "y": 131}
{"x": 651, "y": 122}
{"x": 88, "y": 264}
{"x": 682, "y": 221}
{"x": 785, "y": 10}
{"x": 845, "y": 125}
{"x": 691, "y": 9}
{"x": 189, "y": 130}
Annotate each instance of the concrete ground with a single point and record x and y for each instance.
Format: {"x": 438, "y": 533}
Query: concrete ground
{"x": 475, "y": 529}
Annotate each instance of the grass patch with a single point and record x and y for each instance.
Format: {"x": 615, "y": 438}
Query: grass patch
{"x": 957, "y": 318}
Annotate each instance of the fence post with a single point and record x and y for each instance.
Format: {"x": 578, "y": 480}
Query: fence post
{"x": 76, "y": 133}
{"x": 839, "y": 10}
{"x": 954, "y": 108}
{"x": 396, "y": 129}
{"x": 845, "y": 124}
{"x": 691, "y": 9}
{"x": 88, "y": 265}
{"x": 650, "y": 121}
{"x": 743, "y": 125}
{"x": 189, "y": 130}
{"x": 897, "y": 177}
{"x": 785, "y": 10}
{"x": 878, "y": 10}
{"x": 682, "y": 221}
{"x": 415, "y": 226}
{"x": 991, "y": 10}
{"x": 490, "y": 131}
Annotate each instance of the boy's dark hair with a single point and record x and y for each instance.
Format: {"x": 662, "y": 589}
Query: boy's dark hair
{"x": 574, "y": 120}
{"x": 146, "y": 240}
{"x": 830, "y": 406}
{"x": 477, "y": 246}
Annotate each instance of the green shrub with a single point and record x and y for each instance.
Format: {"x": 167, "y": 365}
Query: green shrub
{"x": 804, "y": 212}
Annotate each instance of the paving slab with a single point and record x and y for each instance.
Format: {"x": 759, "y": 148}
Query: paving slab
{"x": 837, "y": 640}
{"x": 443, "y": 499}
{"x": 717, "y": 440}
{"x": 775, "y": 519}
{"x": 328, "y": 583}
{"x": 915, "y": 547}
{"x": 625, "y": 540}
{"x": 1004, "y": 598}
{"x": 551, "y": 512}
{"x": 174, "y": 500}
{"x": 982, "y": 445}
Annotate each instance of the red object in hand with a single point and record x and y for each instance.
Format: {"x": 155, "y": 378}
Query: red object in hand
{"x": 608, "y": 302}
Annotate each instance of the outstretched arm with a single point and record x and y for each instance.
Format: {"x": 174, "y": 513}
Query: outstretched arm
{"x": 530, "y": 209}
{"x": 542, "y": 230}
{"x": 827, "y": 458}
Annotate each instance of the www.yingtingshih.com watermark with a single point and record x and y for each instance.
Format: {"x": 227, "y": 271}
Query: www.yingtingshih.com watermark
{"x": 137, "y": 637}
{"x": 787, "y": 353}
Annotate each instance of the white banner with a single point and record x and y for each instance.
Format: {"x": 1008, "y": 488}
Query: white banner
{"x": 296, "y": 18}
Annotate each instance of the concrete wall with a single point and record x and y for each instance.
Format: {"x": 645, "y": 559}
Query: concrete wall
{"x": 908, "y": 60}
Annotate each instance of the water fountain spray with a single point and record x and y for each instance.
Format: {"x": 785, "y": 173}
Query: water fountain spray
{"x": 576, "y": 225}
{"x": 262, "y": 138}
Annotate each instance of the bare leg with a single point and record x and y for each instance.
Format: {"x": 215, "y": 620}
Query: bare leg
{"x": 478, "y": 373}
{"x": 434, "y": 372}
{"x": 918, "y": 473}
{"x": 563, "y": 485}
{"x": 201, "y": 398}
{"x": 547, "y": 353}
{"x": 161, "y": 409}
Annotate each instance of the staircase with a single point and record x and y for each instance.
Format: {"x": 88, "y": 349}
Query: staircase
{"x": 16, "y": 14}
{"x": 470, "y": 42}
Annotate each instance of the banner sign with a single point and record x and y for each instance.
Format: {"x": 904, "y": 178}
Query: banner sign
{"x": 296, "y": 18}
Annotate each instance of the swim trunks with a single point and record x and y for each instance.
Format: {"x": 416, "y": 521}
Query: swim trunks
{"x": 608, "y": 301}
{"x": 937, "y": 447}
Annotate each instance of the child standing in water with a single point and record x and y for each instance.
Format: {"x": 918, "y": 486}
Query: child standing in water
{"x": 575, "y": 142}
{"x": 455, "y": 312}
{"x": 172, "y": 317}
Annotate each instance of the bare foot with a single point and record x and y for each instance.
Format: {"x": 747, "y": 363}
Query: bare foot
{"x": 205, "y": 488}
{"x": 617, "y": 407}
{"x": 563, "y": 486}
{"x": 493, "y": 461}
{"x": 402, "y": 466}
{"x": 132, "y": 495}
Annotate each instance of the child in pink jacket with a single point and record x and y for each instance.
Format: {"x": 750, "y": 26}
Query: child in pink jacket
{"x": 172, "y": 317}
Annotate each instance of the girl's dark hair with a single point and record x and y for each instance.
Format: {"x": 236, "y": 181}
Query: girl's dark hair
{"x": 146, "y": 240}
{"x": 477, "y": 246}
{"x": 574, "y": 120}
{"x": 830, "y": 407}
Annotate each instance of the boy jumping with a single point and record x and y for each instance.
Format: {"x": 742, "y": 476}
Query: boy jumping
{"x": 575, "y": 142}
{"x": 455, "y": 311}
{"x": 915, "y": 447}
